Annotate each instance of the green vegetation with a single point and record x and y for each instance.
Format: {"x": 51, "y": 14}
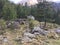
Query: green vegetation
{"x": 43, "y": 11}
{"x": 45, "y": 14}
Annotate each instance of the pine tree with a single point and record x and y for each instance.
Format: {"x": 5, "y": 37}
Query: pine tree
{"x": 9, "y": 12}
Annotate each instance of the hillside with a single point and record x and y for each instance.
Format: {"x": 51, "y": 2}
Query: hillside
{"x": 25, "y": 25}
{"x": 28, "y": 32}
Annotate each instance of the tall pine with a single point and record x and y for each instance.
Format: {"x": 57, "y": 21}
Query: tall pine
{"x": 9, "y": 12}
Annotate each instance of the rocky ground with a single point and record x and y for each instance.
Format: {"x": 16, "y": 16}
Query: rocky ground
{"x": 30, "y": 32}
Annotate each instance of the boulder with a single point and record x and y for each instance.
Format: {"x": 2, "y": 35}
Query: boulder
{"x": 38, "y": 30}
{"x": 21, "y": 21}
{"x": 8, "y": 24}
{"x": 13, "y": 25}
{"x": 26, "y": 39}
{"x": 16, "y": 25}
{"x": 31, "y": 17}
{"x": 57, "y": 31}
{"x": 27, "y": 34}
{"x": 5, "y": 39}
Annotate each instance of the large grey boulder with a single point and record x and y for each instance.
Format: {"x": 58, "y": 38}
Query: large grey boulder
{"x": 5, "y": 39}
{"x": 38, "y": 30}
{"x": 57, "y": 30}
{"x": 27, "y": 37}
{"x": 31, "y": 17}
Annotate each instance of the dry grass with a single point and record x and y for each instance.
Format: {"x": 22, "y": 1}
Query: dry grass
{"x": 39, "y": 40}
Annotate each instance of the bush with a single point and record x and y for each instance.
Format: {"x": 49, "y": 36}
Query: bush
{"x": 2, "y": 24}
{"x": 33, "y": 23}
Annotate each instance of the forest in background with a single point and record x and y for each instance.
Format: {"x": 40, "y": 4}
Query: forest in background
{"x": 43, "y": 11}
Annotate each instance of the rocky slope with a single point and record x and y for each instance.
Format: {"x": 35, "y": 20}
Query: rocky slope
{"x": 28, "y": 32}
